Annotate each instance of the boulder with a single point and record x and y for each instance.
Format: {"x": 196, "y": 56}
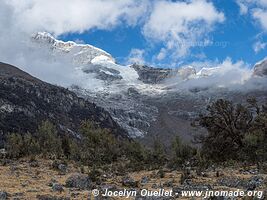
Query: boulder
{"x": 56, "y": 187}
{"x": 129, "y": 182}
{"x": 3, "y": 195}
{"x": 79, "y": 181}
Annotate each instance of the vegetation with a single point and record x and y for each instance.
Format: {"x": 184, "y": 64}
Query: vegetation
{"x": 234, "y": 133}
{"x": 96, "y": 148}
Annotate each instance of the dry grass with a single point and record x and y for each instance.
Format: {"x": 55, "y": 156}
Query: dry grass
{"x": 21, "y": 180}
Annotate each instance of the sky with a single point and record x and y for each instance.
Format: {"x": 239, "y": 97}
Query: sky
{"x": 160, "y": 33}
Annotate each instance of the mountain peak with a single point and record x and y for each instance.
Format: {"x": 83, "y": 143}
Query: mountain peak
{"x": 83, "y": 53}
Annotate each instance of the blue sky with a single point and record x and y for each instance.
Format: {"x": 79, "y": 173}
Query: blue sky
{"x": 234, "y": 38}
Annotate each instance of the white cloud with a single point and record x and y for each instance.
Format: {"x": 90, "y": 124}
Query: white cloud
{"x": 258, "y": 46}
{"x": 20, "y": 19}
{"x": 261, "y": 15}
{"x": 181, "y": 25}
{"x": 243, "y": 7}
{"x": 256, "y": 8}
{"x": 162, "y": 54}
{"x": 63, "y": 16}
{"x": 136, "y": 56}
{"x": 229, "y": 74}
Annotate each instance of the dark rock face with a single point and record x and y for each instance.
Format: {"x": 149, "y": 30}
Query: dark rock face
{"x": 260, "y": 69}
{"x": 151, "y": 75}
{"x": 26, "y": 101}
{"x": 103, "y": 73}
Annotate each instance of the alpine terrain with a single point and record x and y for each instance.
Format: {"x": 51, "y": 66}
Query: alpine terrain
{"x": 144, "y": 101}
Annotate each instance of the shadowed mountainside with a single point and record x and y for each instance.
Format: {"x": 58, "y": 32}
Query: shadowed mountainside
{"x": 25, "y": 101}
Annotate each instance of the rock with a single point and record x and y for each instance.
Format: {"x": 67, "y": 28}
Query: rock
{"x": 249, "y": 184}
{"x": 254, "y": 182}
{"x": 13, "y": 168}
{"x": 151, "y": 75}
{"x": 129, "y": 182}
{"x": 50, "y": 197}
{"x": 231, "y": 182}
{"x": 144, "y": 180}
{"x": 51, "y": 182}
{"x": 3, "y": 195}
{"x": 56, "y": 187}
{"x": 79, "y": 181}
{"x": 62, "y": 168}
{"x": 197, "y": 187}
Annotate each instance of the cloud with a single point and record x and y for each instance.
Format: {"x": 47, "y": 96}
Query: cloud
{"x": 162, "y": 54}
{"x": 136, "y": 56}
{"x": 180, "y": 25}
{"x": 256, "y": 8}
{"x": 258, "y": 46}
{"x": 184, "y": 26}
{"x": 261, "y": 16}
{"x": 226, "y": 74}
{"x": 243, "y": 7}
{"x": 64, "y": 16}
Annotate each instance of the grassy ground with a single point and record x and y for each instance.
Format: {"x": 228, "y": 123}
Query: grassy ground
{"x": 21, "y": 180}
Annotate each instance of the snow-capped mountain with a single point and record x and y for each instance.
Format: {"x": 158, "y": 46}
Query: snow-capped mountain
{"x": 145, "y": 100}
{"x": 81, "y": 53}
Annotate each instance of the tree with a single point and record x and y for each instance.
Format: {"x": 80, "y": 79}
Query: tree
{"x": 48, "y": 139}
{"x": 99, "y": 146}
{"x": 14, "y": 145}
{"x": 227, "y": 125}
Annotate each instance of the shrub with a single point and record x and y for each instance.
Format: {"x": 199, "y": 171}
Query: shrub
{"x": 181, "y": 152}
{"x": 48, "y": 139}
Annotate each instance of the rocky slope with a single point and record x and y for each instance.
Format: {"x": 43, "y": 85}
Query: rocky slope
{"x": 25, "y": 101}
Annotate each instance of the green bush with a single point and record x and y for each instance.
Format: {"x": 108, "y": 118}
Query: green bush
{"x": 181, "y": 152}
